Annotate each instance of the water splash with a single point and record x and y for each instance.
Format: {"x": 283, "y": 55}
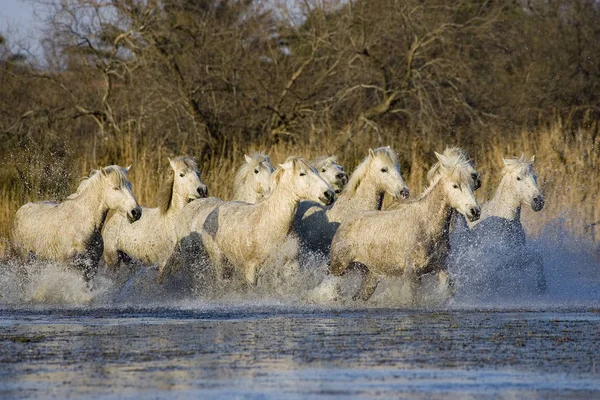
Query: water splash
{"x": 571, "y": 271}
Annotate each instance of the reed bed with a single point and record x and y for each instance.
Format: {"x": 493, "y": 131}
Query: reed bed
{"x": 567, "y": 163}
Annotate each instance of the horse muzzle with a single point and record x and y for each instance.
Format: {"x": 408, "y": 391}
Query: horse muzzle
{"x": 203, "y": 191}
{"x": 134, "y": 214}
{"x": 342, "y": 177}
{"x": 403, "y": 194}
{"x": 537, "y": 203}
{"x": 474, "y": 214}
{"x": 327, "y": 197}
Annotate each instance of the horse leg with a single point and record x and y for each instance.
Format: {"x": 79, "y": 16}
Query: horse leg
{"x": 445, "y": 285}
{"x": 411, "y": 280}
{"x": 338, "y": 262}
{"x": 172, "y": 265}
{"x": 215, "y": 255}
{"x": 539, "y": 271}
{"x": 250, "y": 274}
{"x": 368, "y": 285}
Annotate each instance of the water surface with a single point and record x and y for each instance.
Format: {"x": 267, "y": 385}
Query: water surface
{"x": 294, "y": 352}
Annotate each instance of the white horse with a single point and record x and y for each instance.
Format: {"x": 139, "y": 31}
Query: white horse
{"x": 71, "y": 231}
{"x": 410, "y": 241}
{"x": 245, "y": 235}
{"x": 493, "y": 253}
{"x": 517, "y": 187}
{"x": 151, "y": 239}
{"x": 434, "y": 174}
{"x": 378, "y": 174}
{"x": 252, "y": 180}
{"x": 332, "y": 172}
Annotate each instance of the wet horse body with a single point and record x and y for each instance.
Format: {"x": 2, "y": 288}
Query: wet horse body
{"x": 69, "y": 232}
{"x": 244, "y": 236}
{"x": 151, "y": 239}
{"x": 496, "y": 243}
{"x": 410, "y": 241}
{"x": 377, "y": 174}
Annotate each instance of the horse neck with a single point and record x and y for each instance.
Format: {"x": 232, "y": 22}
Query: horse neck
{"x": 93, "y": 206}
{"x": 278, "y": 210}
{"x": 436, "y": 211}
{"x": 240, "y": 191}
{"x": 366, "y": 197}
{"x": 178, "y": 200}
{"x": 505, "y": 203}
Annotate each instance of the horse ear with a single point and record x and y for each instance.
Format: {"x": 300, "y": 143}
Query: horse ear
{"x": 127, "y": 169}
{"x": 287, "y": 166}
{"x": 532, "y": 160}
{"x": 505, "y": 161}
{"x": 103, "y": 171}
{"x": 171, "y": 163}
{"x": 276, "y": 176}
{"x": 333, "y": 158}
{"x": 247, "y": 158}
{"x": 371, "y": 154}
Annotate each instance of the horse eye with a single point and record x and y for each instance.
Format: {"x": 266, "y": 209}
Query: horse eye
{"x": 256, "y": 171}
{"x": 116, "y": 188}
{"x": 323, "y": 170}
{"x": 474, "y": 176}
{"x": 518, "y": 178}
{"x": 383, "y": 169}
{"x": 302, "y": 173}
{"x": 182, "y": 175}
{"x": 455, "y": 186}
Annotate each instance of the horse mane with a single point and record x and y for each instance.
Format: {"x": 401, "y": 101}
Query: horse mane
{"x": 359, "y": 173}
{"x": 513, "y": 164}
{"x": 115, "y": 173}
{"x": 319, "y": 161}
{"x": 165, "y": 192}
{"x": 456, "y": 154}
{"x": 457, "y": 161}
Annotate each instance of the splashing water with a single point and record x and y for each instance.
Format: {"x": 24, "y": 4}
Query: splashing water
{"x": 491, "y": 276}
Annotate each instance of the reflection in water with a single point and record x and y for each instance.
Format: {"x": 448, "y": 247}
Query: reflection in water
{"x": 300, "y": 352}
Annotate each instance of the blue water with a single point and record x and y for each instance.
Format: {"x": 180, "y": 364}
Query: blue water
{"x": 296, "y": 352}
{"x": 126, "y": 336}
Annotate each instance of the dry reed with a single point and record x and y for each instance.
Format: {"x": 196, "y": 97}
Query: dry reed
{"x": 567, "y": 163}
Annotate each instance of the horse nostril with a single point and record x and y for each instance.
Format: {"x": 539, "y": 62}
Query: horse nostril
{"x": 340, "y": 176}
{"x": 538, "y": 203}
{"x": 474, "y": 211}
{"x": 136, "y": 214}
{"x": 202, "y": 191}
{"x": 327, "y": 195}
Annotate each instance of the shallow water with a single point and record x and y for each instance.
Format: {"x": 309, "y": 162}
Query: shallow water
{"x": 292, "y": 352}
{"x": 126, "y": 336}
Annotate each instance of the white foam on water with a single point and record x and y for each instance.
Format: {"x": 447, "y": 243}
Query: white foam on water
{"x": 481, "y": 279}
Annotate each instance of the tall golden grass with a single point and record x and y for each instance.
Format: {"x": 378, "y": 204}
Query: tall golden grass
{"x": 567, "y": 163}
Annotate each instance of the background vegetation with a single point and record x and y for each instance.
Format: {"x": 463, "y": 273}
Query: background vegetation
{"x": 135, "y": 81}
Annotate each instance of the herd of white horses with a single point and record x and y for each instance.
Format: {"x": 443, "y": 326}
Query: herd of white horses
{"x": 364, "y": 222}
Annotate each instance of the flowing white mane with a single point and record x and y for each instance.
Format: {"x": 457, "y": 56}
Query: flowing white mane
{"x": 517, "y": 164}
{"x": 453, "y": 160}
{"x": 116, "y": 175}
